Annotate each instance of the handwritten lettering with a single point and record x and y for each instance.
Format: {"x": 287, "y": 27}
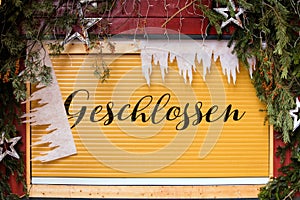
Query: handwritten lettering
{"x": 138, "y": 112}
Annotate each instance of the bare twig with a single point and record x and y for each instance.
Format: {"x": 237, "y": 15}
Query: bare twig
{"x": 169, "y": 19}
{"x": 289, "y": 195}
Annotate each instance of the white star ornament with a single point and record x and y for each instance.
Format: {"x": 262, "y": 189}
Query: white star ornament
{"x": 294, "y": 112}
{"x": 8, "y": 151}
{"x": 236, "y": 19}
{"x": 85, "y": 24}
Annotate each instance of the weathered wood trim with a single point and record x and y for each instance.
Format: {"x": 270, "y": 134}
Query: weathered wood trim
{"x": 28, "y": 140}
{"x": 72, "y": 191}
{"x": 271, "y": 153}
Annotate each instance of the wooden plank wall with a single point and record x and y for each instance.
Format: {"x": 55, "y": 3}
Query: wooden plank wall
{"x": 152, "y": 13}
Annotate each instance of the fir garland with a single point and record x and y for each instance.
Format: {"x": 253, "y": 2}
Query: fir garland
{"x": 22, "y": 21}
{"x": 270, "y": 34}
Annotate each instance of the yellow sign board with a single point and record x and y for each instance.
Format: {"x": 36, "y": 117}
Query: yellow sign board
{"x": 125, "y": 128}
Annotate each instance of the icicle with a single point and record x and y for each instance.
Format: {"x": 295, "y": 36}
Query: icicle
{"x": 185, "y": 52}
{"x": 161, "y": 58}
{"x": 185, "y": 55}
{"x": 229, "y": 65}
{"x": 204, "y": 54}
{"x": 229, "y": 62}
{"x": 185, "y": 65}
{"x": 53, "y": 112}
{"x": 252, "y": 65}
{"x": 146, "y": 65}
{"x": 159, "y": 51}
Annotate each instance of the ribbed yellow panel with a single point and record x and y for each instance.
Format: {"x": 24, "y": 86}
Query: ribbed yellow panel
{"x": 154, "y": 148}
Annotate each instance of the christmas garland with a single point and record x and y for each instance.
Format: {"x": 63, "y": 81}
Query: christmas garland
{"x": 265, "y": 31}
{"x": 270, "y": 34}
{"x": 22, "y": 21}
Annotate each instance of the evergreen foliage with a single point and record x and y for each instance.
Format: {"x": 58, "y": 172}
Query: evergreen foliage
{"x": 271, "y": 35}
{"x": 23, "y": 24}
{"x": 274, "y": 24}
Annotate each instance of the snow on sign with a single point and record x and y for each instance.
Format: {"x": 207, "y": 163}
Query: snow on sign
{"x": 144, "y": 121}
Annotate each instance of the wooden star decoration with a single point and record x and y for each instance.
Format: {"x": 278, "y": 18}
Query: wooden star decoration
{"x": 85, "y": 24}
{"x": 236, "y": 19}
{"x": 294, "y": 113}
{"x": 7, "y": 147}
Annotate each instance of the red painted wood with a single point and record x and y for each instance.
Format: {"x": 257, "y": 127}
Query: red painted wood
{"x": 189, "y": 26}
{"x": 276, "y": 162}
{"x": 135, "y": 16}
{"x": 138, "y": 25}
{"x": 16, "y": 186}
{"x": 157, "y": 8}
